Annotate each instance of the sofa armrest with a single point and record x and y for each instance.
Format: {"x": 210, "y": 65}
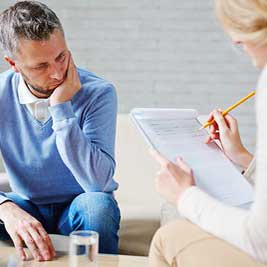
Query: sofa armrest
{"x": 4, "y": 184}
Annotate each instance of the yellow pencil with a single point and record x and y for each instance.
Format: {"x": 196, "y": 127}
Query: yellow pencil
{"x": 225, "y": 112}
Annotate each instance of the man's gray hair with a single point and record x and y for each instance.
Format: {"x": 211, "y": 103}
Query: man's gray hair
{"x": 30, "y": 20}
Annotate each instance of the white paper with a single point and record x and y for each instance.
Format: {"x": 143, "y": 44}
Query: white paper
{"x": 174, "y": 132}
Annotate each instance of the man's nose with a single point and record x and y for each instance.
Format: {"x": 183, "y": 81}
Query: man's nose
{"x": 56, "y": 73}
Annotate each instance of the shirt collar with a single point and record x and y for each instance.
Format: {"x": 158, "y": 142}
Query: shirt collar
{"x": 25, "y": 95}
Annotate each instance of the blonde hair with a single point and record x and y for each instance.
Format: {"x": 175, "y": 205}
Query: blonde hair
{"x": 244, "y": 20}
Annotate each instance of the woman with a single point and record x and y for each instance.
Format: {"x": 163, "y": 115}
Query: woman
{"x": 234, "y": 237}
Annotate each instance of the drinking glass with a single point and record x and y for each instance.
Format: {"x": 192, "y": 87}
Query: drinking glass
{"x": 83, "y": 249}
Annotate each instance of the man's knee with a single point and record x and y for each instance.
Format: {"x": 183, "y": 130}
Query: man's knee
{"x": 96, "y": 207}
{"x": 98, "y": 212}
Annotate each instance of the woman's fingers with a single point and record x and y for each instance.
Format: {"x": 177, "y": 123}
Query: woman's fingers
{"x": 210, "y": 116}
{"x": 213, "y": 134}
{"x": 232, "y": 122}
{"x": 208, "y": 140}
{"x": 218, "y": 117}
{"x": 165, "y": 163}
{"x": 214, "y": 128}
{"x": 221, "y": 124}
{"x": 183, "y": 165}
{"x": 175, "y": 170}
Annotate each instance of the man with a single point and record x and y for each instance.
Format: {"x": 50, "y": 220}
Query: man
{"x": 56, "y": 137}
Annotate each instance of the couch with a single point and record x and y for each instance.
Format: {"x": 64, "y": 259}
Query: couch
{"x": 139, "y": 203}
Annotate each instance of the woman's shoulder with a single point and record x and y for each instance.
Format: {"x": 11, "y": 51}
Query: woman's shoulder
{"x": 262, "y": 82}
{"x": 261, "y": 100}
{"x": 262, "y": 87}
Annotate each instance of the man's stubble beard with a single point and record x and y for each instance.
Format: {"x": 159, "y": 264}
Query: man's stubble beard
{"x": 44, "y": 92}
{"x": 34, "y": 89}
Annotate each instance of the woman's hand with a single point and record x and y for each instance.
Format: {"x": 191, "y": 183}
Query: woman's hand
{"x": 173, "y": 179}
{"x": 225, "y": 129}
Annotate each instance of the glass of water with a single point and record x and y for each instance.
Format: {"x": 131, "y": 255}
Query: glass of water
{"x": 83, "y": 248}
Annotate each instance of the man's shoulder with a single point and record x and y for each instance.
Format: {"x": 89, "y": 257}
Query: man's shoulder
{"x": 93, "y": 83}
{"x": 6, "y": 75}
{"x": 6, "y": 80}
{"x": 96, "y": 89}
{"x": 95, "y": 92}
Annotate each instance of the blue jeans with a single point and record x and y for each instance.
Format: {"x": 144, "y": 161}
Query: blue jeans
{"x": 88, "y": 211}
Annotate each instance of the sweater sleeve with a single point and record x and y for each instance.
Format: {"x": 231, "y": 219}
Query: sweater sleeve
{"x": 246, "y": 229}
{"x": 88, "y": 151}
{"x": 3, "y": 197}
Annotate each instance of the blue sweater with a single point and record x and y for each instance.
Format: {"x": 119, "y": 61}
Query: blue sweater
{"x": 71, "y": 153}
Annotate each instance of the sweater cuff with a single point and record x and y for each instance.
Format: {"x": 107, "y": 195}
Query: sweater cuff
{"x": 3, "y": 199}
{"x": 62, "y": 111}
{"x": 187, "y": 200}
{"x": 194, "y": 202}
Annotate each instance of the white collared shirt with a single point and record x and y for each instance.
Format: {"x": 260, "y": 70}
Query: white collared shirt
{"x": 38, "y": 107}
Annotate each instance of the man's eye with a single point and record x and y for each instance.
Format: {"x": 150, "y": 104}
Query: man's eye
{"x": 39, "y": 68}
{"x": 62, "y": 58}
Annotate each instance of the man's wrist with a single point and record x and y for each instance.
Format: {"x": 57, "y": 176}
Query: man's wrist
{"x": 62, "y": 111}
{"x": 4, "y": 207}
{"x": 54, "y": 102}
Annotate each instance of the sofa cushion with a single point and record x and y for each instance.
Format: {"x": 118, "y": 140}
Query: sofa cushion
{"x": 138, "y": 200}
{"x": 4, "y": 185}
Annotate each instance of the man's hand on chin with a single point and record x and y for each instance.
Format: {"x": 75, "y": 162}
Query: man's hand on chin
{"x": 69, "y": 87}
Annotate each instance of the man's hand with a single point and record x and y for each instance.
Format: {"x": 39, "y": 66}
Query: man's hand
{"x": 69, "y": 87}
{"x": 173, "y": 179}
{"x": 23, "y": 228}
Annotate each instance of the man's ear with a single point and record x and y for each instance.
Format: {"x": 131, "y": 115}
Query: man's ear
{"x": 12, "y": 63}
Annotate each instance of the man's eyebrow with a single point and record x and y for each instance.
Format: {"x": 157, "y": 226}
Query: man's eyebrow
{"x": 40, "y": 64}
{"x": 60, "y": 55}
{"x": 46, "y": 63}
